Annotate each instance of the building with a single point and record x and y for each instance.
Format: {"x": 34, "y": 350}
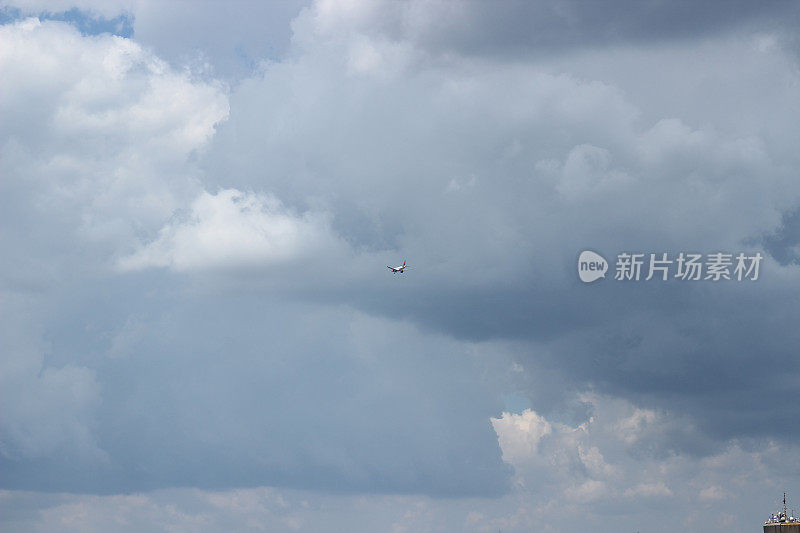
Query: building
{"x": 782, "y": 522}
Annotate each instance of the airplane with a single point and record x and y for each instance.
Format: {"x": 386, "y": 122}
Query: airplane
{"x": 400, "y": 268}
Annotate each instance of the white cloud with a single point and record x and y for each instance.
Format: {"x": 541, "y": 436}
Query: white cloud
{"x": 649, "y": 490}
{"x": 713, "y": 493}
{"x": 519, "y": 435}
{"x": 588, "y": 173}
{"x": 594, "y": 462}
{"x": 588, "y": 491}
{"x": 232, "y": 229}
{"x": 630, "y": 429}
{"x": 96, "y": 137}
{"x": 99, "y": 130}
{"x": 610, "y": 460}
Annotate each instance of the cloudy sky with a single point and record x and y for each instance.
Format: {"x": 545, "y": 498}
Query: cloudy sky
{"x": 199, "y": 201}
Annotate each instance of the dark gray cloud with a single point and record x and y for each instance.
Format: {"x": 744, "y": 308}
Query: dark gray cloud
{"x": 784, "y": 243}
{"x": 529, "y": 29}
{"x": 493, "y": 216}
{"x": 550, "y": 26}
{"x": 260, "y": 391}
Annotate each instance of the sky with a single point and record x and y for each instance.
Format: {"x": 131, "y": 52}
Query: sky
{"x": 199, "y": 202}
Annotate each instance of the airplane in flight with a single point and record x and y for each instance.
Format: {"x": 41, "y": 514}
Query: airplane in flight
{"x": 400, "y": 268}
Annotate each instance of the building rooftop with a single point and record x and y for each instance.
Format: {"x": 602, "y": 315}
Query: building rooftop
{"x": 782, "y": 517}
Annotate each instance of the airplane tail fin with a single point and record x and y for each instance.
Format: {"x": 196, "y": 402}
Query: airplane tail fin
{"x": 404, "y": 262}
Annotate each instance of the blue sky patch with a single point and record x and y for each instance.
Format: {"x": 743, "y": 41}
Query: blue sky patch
{"x": 86, "y": 22}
